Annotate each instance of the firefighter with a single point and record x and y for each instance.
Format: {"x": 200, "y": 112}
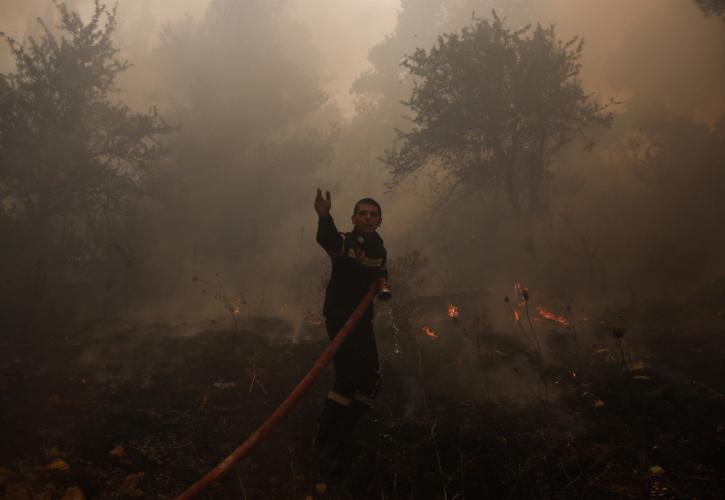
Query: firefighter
{"x": 358, "y": 259}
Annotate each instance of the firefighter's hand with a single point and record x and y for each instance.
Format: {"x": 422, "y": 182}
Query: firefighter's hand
{"x": 323, "y": 205}
{"x": 385, "y": 293}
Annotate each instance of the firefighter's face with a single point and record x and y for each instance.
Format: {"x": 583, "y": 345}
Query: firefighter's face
{"x": 367, "y": 218}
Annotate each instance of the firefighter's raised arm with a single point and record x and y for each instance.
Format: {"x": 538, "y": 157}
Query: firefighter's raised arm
{"x": 323, "y": 205}
{"x": 328, "y": 236}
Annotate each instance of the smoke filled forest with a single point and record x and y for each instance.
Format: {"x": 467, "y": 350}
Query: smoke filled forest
{"x": 552, "y": 181}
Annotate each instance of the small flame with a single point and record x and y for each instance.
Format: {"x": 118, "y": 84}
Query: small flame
{"x": 452, "y": 311}
{"x": 573, "y": 374}
{"x": 429, "y": 331}
{"x": 236, "y": 307}
{"x": 517, "y": 315}
{"x": 546, "y": 314}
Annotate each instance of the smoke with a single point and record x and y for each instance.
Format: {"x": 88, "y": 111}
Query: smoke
{"x": 662, "y": 50}
{"x": 266, "y": 115}
{"x": 341, "y": 33}
{"x": 273, "y": 99}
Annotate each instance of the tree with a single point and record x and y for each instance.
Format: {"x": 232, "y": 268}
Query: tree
{"x": 67, "y": 149}
{"x": 492, "y": 106}
{"x": 381, "y": 90}
{"x": 712, "y": 7}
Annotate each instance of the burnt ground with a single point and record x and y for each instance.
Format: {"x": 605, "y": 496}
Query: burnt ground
{"x": 144, "y": 411}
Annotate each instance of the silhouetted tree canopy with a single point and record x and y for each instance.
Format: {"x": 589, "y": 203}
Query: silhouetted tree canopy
{"x": 492, "y": 106}
{"x": 382, "y": 89}
{"x": 712, "y": 7}
{"x": 66, "y": 148}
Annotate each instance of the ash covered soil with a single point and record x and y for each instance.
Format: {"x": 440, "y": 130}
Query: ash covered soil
{"x": 133, "y": 411}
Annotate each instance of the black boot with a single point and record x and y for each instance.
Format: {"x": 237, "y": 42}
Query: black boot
{"x": 327, "y": 464}
{"x": 331, "y": 426}
{"x": 357, "y": 411}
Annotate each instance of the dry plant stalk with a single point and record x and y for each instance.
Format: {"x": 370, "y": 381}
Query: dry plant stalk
{"x": 533, "y": 339}
{"x": 431, "y": 425}
{"x": 232, "y": 306}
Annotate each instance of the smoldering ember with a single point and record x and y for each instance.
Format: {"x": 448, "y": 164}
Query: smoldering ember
{"x": 528, "y": 300}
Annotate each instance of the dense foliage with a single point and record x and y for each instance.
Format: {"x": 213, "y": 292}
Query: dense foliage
{"x": 67, "y": 148}
{"x": 712, "y": 7}
{"x": 492, "y": 106}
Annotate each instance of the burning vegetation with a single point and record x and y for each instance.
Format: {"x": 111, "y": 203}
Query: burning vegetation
{"x": 161, "y": 291}
{"x": 595, "y": 401}
{"x": 429, "y": 332}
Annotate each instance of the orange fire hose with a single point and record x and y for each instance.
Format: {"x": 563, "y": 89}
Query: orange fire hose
{"x": 282, "y": 410}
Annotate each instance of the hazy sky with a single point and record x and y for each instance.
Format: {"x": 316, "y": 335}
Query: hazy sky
{"x": 663, "y": 48}
{"x": 342, "y": 31}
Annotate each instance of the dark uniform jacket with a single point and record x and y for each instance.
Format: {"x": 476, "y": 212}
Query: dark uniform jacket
{"x": 356, "y": 263}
